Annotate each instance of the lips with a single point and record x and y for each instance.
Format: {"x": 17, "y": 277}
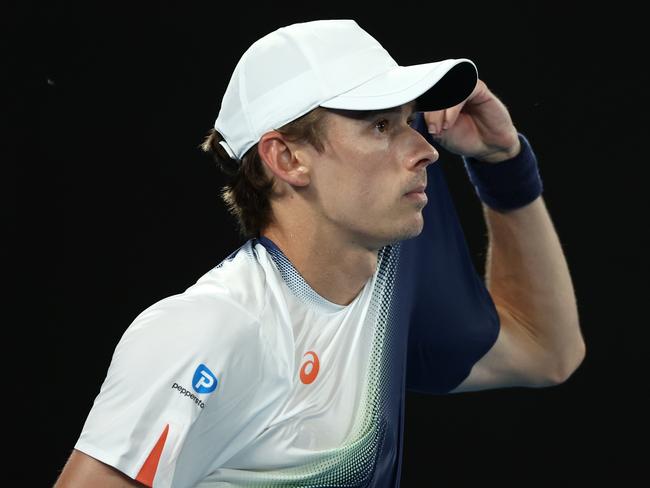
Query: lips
{"x": 417, "y": 189}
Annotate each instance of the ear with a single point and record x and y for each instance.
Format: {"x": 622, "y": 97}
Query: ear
{"x": 284, "y": 159}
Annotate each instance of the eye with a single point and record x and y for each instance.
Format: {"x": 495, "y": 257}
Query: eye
{"x": 381, "y": 123}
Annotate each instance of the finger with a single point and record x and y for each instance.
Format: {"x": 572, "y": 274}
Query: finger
{"x": 451, "y": 114}
{"x": 434, "y": 121}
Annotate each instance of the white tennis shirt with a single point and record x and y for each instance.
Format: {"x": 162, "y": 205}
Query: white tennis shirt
{"x": 247, "y": 375}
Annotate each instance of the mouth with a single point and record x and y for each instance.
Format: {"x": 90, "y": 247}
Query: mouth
{"x": 417, "y": 189}
{"x": 417, "y": 194}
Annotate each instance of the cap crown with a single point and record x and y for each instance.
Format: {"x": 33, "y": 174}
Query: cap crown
{"x": 290, "y": 71}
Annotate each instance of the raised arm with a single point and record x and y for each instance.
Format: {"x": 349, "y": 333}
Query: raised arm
{"x": 539, "y": 343}
{"x": 528, "y": 278}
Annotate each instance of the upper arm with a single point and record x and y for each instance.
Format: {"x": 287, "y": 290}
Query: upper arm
{"x": 515, "y": 359}
{"x": 84, "y": 470}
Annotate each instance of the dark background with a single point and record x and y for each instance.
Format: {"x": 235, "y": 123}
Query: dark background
{"x": 111, "y": 207}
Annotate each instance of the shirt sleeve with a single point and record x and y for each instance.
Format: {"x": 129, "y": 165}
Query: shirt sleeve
{"x": 453, "y": 320}
{"x": 184, "y": 366}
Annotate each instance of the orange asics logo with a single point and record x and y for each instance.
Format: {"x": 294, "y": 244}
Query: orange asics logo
{"x": 309, "y": 369}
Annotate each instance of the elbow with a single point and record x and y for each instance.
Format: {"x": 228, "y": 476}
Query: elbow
{"x": 567, "y": 366}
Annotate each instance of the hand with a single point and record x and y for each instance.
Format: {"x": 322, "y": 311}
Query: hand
{"x": 479, "y": 127}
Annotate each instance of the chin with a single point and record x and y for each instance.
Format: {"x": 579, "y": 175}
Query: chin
{"x": 409, "y": 231}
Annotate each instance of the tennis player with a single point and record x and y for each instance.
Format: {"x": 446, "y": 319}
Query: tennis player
{"x": 288, "y": 362}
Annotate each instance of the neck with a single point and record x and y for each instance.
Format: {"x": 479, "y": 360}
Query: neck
{"x": 334, "y": 267}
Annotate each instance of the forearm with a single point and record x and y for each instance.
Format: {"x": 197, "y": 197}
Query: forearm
{"x": 527, "y": 274}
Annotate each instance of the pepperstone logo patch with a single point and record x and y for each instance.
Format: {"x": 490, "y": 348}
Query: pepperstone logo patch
{"x": 188, "y": 393}
{"x": 204, "y": 381}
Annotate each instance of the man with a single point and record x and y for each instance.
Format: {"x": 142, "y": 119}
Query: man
{"x": 287, "y": 363}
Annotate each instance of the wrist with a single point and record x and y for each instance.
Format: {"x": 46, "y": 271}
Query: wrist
{"x": 501, "y": 156}
{"x": 509, "y": 183}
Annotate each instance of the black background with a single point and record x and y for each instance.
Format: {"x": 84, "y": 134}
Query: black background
{"x": 111, "y": 207}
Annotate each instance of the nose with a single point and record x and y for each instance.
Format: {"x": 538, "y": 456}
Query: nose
{"x": 424, "y": 153}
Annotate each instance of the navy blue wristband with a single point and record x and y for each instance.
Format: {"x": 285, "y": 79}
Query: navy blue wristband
{"x": 508, "y": 184}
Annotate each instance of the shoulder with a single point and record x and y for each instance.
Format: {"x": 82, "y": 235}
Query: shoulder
{"x": 224, "y": 304}
{"x": 190, "y": 324}
{"x": 240, "y": 279}
{"x": 181, "y": 344}
{"x": 224, "y": 314}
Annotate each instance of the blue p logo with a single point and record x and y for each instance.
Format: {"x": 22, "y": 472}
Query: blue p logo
{"x": 204, "y": 381}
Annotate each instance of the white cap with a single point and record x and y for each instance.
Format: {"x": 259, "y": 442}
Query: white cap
{"x": 327, "y": 63}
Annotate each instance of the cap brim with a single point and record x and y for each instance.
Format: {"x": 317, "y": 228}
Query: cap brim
{"x": 438, "y": 85}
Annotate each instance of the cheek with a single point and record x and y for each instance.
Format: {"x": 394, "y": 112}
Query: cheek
{"x": 360, "y": 181}
{"x": 352, "y": 196}
{"x": 373, "y": 191}
{"x": 368, "y": 196}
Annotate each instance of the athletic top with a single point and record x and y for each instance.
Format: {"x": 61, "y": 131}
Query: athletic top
{"x": 251, "y": 378}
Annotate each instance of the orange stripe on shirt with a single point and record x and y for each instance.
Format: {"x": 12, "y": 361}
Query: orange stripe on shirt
{"x": 148, "y": 470}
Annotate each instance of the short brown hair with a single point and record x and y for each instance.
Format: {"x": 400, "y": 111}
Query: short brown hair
{"x": 247, "y": 194}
